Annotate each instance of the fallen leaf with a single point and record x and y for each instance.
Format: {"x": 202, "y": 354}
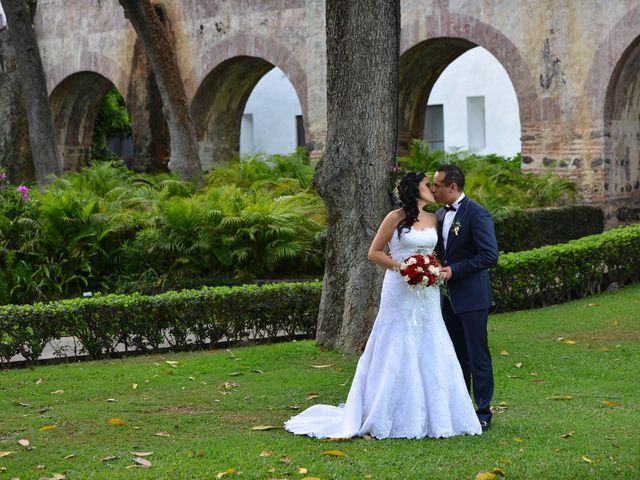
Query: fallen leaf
{"x": 57, "y": 392}
{"x": 235, "y": 374}
{"x": 567, "y": 435}
{"x": 109, "y": 458}
{"x": 58, "y": 476}
{"x": 485, "y": 476}
{"x": 604, "y": 349}
{"x": 257, "y": 371}
{"x": 561, "y": 397}
{"x": 6, "y": 454}
{"x": 229, "y": 385}
{"x": 24, "y": 442}
{"x": 302, "y": 471}
{"x": 533, "y": 374}
{"x": 593, "y": 304}
{"x": 504, "y": 353}
{"x": 39, "y": 381}
{"x": 538, "y": 381}
{"x": 116, "y": 421}
{"x": 293, "y": 407}
{"x": 518, "y": 439}
{"x": 46, "y": 428}
{"x": 266, "y": 427}
{"x": 334, "y": 453}
{"x": 141, "y": 454}
{"x": 143, "y": 462}
{"x": 171, "y": 363}
{"x": 68, "y": 457}
{"x": 559, "y": 339}
{"x": 587, "y": 459}
{"x": 499, "y": 471}
{"x": 337, "y": 439}
{"x": 192, "y": 378}
{"x": 162, "y": 434}
{"x": 517, "y": 365}
{"x": 311, "y": 396}
{"x": 134, "y": 386}
{"x": 23, "y": 404}
{"x": 285, "y": 459}
{"x": 266, "y": 453}
{"x": 568, "y": 342}
{"x": 610, "y": 403}
{"x": 226, "y": 472}
{"x": 111, "y": 400}
{"x": 329, "y": 365}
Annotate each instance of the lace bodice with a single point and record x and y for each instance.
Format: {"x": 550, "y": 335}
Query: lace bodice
{"x": 412, "y": 241}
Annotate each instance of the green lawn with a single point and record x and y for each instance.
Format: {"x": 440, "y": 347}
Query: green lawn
{"x": 210, "y": 427}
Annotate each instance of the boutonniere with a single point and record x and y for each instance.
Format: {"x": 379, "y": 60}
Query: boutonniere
{"x": 455, "y": 226}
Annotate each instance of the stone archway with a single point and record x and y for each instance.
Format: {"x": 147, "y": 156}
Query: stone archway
{"x": 74, "y": 104}
{"x": 222, "y": 84}
{"x": 429, "y": 44}
{"x": 622, "y": 136}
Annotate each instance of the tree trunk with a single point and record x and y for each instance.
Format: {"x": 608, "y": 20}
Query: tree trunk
{"x": 159, "y": 49}
{"x": 353, "y": 178}
{"x": 46, "y": 158}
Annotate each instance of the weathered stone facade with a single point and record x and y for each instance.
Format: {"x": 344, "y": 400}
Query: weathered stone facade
{"x": 574, "y": 64}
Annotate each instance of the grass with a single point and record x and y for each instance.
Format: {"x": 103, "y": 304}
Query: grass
{"x": 210, "y": 426}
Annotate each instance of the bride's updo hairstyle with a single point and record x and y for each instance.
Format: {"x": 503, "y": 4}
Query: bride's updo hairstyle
{"x": 408, "y": 191}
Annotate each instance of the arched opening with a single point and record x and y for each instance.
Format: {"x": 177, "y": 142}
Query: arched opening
{"x": 220, "y": 104}
{"x": 622, "y": 137}
{"x": 457, "y": 95}
{"x": 75, "y": 103}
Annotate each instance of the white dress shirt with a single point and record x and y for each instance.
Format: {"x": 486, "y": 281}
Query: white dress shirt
{"x": 448, "y": 220}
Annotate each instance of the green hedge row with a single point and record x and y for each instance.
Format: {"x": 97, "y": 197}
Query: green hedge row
{"x": 145, "y": 322}
{"x": 521, "y": 280}
{"x": 521, "y": 230}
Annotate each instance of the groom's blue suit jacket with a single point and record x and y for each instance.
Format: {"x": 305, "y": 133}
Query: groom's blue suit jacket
{"x": 470, "y": 254}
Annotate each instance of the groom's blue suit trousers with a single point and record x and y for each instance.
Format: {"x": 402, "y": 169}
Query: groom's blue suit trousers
{"x": 468, "y": 332}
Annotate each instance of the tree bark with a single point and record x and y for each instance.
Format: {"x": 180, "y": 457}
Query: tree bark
{"x": 353, "y": 178}
{"x": 46, "y": 159}
{"x": 184, "y": 160}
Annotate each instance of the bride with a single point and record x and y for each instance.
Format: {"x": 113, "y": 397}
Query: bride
{"x": 408, "y": 383}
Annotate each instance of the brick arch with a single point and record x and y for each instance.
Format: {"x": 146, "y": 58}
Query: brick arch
{"x": 429, "y": 44}
{"x": 89, "y": 62}
{"x": 220, "y": 86}
{"x": 75, "y": 102}
{"x": 613, "y": 100}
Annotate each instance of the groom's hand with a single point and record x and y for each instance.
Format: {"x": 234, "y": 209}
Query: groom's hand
{"x": 446, "y": 272}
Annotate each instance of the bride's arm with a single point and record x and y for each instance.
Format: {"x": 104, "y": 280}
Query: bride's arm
{"x": 376, "y": 251}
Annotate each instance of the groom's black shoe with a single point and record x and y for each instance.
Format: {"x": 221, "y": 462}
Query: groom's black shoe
{"x": 486, "y": 425}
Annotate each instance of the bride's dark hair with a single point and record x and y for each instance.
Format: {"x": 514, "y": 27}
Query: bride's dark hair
{"x": 408, "y": 191}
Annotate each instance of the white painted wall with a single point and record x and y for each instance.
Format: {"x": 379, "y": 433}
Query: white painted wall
{"x": 271, "y": 126}
{"x": 477, "y": 73}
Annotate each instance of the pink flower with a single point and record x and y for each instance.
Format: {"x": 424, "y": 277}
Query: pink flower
{"x": 24, "y": 191}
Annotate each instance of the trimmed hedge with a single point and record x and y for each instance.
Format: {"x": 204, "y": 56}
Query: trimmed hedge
{"x": 521, "y": 280}
{"x": 145, "y": 322}
{"x": 521, "y": 230}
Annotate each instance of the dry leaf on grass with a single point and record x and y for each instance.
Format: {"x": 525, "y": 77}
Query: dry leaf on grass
{"x": 311, "y": 396}
{"x": 57, "y": 392}
{"x": 504, "y": 353}
{"x": 336, "y": 439}
{"x": 610, "y": 403}
{"x": 228, "y": 471}
{"x": 593, "y": 304}
{"x": 517, "y": 365}
{"x": 109, "y": 458}
{"x": 561, "y": 397}
{"x": 266, "y": 453}
{"x": 235, "y": 374}
{"x": 567, "y": 435}
{"x": 116, "y": 421}
{"x": 141, "y": 454}
{"x": 490, "y": 475}
{"x": 586, "y": 459}
{"x": 6, "y": 454}
{"x": 334, "y": 453}
{"x": 518, "y": 439}
{"x": 24, "y": 442}
{"x": 46, "y": 428}
{"x": 568, "y": 342}
{"x": 111, "y": 400}
{"x": 266, "y": 427}
{"x": 285, "y": 459}
{"x": 39, "y": 381}
{"x": 302, "y": 471}
{"x": 257, "y": 371}
{"x": 68, "y": 457}
{"x": 329, "y": 365}
{"x": 162, "y": 434}
{"x": 143, "y": 462}
{"x": 134, "y": 386}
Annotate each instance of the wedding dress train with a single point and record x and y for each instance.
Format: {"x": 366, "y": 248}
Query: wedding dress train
{"x": 408, "y": 382}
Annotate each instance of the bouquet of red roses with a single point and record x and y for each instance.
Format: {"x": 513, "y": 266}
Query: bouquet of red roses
{"x": 421, "y": 270}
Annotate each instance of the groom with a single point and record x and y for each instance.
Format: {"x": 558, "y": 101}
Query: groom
{"x": 468, "y": 248}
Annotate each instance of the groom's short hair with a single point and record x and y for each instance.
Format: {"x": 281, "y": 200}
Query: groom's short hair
{"x": 452, "y": 174}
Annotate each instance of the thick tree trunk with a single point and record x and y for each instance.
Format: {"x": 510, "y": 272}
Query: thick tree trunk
{"x": 46, "y": 158}
{"x": 159, "y": 49}
{"x": 353, "y": 178}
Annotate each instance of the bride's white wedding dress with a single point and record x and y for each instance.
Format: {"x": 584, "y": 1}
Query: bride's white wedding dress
{"x": 408, "y": 383}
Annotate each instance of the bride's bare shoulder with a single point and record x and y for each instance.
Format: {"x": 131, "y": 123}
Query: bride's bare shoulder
{"x": 395, "y": 215}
